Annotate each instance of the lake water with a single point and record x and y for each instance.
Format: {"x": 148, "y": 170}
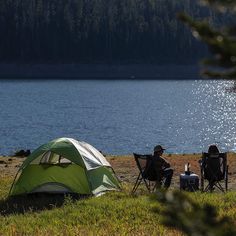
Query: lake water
{"x": 118, "y": 117}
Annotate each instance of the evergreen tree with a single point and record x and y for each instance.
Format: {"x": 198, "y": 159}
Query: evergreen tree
{"x": 221, "y": 39}
{"x": 98, "y": 31}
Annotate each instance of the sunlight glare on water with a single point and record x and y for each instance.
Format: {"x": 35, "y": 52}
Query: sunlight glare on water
{"x": 119, "y": 117}
{"x": 216, "y": 113}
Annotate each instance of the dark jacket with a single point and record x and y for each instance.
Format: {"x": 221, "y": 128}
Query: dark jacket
{"x": 155, "y": 167}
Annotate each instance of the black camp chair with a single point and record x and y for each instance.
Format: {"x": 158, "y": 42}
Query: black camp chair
{"x": 142, "y": 164}
{"x": 214, "y": 169}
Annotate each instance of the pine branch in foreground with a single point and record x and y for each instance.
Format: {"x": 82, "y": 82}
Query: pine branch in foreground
{"x": 182, "y": 213}
{"x": 221, "y": 41}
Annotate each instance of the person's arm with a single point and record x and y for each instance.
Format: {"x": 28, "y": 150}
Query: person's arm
{"x": 165, "y": 164}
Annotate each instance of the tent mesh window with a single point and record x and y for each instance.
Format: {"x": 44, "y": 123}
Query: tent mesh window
{"x": 53, "y": 158}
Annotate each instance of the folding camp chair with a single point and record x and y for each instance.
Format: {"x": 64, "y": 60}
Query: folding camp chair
{"x": 214, "y": 169}
{"x": 141, "y": 161}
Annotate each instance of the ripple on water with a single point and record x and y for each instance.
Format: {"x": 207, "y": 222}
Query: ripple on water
{"x": 119, "y": 117}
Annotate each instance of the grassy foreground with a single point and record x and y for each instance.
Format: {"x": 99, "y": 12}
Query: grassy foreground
{"x": 116, "y": 213}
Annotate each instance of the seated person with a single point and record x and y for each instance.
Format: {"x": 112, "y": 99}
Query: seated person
{"x": 158, "y": 168}
{"x": 212, "y": 164}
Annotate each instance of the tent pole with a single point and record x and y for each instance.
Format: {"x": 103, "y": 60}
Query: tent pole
{"x": 13, "y": 182}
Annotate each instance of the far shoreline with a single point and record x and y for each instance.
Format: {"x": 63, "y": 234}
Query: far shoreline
{"x": 100, "y": 71}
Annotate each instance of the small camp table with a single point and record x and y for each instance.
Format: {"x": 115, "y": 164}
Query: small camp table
{"x": 189, "y": 182}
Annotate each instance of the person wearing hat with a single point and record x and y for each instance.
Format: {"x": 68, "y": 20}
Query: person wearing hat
{"x": 158, "y": 168}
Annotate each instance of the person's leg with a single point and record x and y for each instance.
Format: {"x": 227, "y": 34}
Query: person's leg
{"x": 168, "y": 173}
{"x": 158, "y": 184}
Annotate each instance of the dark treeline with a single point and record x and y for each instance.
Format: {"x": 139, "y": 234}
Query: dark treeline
{"x": 98, "y": 31}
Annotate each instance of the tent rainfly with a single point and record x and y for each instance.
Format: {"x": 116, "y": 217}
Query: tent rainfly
{"x": 65, "y": 165}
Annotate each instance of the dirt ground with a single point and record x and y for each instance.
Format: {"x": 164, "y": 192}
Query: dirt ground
{"x": 127, "y": 171}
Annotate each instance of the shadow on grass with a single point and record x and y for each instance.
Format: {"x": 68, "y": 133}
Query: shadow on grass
{"x": 35, "y": 202}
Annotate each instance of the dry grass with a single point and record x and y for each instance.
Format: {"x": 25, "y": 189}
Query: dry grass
{"x": 127, "y": 171}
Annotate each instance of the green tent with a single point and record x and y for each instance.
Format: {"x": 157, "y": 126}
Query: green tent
{"x": 65, "y": 165}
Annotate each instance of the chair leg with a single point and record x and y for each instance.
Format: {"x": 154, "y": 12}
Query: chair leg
{"x": 218, "y": 185}
{"x": 202, "y": 184}
{"x": 136, "y": 186}
{"x": 147, "y": 185}
{"x": 137, "y": 183}
{"x": 154, "y": 187}
{"x": 211, "y": 185}
{"x": 207, "y": 188}
{"x": 157, "y": 185}
{"x": 226, "y": 178}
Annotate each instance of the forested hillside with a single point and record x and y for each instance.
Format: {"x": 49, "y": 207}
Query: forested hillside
{"x": 98, "y": 31}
